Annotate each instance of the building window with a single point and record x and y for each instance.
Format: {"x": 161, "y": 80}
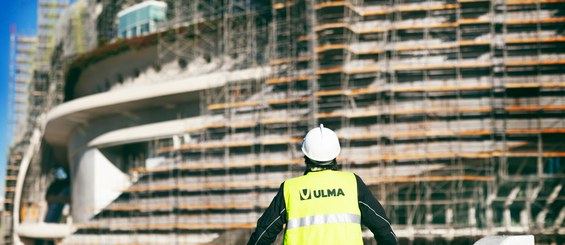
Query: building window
{"x": 133, "y": 31}
{"x": 144, "y": 28}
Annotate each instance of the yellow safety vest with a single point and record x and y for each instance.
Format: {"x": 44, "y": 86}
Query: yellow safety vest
{"x": 322, "y": 208}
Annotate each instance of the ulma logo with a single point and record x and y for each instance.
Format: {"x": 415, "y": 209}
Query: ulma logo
{"x": 306, "y": 194}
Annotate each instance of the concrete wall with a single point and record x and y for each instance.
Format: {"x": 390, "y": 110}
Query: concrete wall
{"x": 96, "y": 183}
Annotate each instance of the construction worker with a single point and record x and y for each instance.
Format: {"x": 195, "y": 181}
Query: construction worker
{"x": 325, "y": 206}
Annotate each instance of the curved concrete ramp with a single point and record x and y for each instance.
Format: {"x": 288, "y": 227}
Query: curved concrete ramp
{"x": 44, "y": 230}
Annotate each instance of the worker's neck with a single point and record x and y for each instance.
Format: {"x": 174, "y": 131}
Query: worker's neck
{"x": 317, "y": 169}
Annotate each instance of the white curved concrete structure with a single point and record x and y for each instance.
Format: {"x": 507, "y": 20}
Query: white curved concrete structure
{"x": 146, "y": 132}
{"x": 96, "y": 183}
{"x": 26, "y": 161}
{"x": 62, "y": 120}
{"x": 76, "y": 129}
{"x": 48, "y": 231}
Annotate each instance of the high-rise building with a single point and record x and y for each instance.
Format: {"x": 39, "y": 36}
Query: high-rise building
{"x": 20, "y": 96}
{"x": 451, "y": 111}
{"x": 22, "y": 53}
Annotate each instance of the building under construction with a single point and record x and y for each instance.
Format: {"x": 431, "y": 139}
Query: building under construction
{"x": 175, "y": 122}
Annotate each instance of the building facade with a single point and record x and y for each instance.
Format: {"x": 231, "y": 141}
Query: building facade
{"x": 451, "y": 111}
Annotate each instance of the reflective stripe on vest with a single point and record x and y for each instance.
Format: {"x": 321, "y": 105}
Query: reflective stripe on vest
{"x": 323, "y": 219}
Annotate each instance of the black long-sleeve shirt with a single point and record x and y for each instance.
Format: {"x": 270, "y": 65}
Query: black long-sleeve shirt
{"x": 372, "y": 216}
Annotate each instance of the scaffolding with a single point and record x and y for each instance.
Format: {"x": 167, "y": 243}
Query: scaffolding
{"x": 450, "y": 111}
{"x": 432, "y": 101}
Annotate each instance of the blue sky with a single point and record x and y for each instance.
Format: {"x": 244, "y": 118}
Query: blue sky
{"x": 23, "y": 14}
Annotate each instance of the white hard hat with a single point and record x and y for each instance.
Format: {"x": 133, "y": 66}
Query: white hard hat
{"x": 321, "y": 144}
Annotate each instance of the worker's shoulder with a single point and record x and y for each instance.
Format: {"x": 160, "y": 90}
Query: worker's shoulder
{"x": 343, "y": 173}
{"x": 294, "y": 179}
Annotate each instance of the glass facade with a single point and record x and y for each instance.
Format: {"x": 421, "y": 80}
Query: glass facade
{"x": 141, "y": 19}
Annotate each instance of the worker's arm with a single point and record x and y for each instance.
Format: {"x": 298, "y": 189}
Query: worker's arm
{"x": 373, "y": 215}
{"x": 271, "y": 222}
